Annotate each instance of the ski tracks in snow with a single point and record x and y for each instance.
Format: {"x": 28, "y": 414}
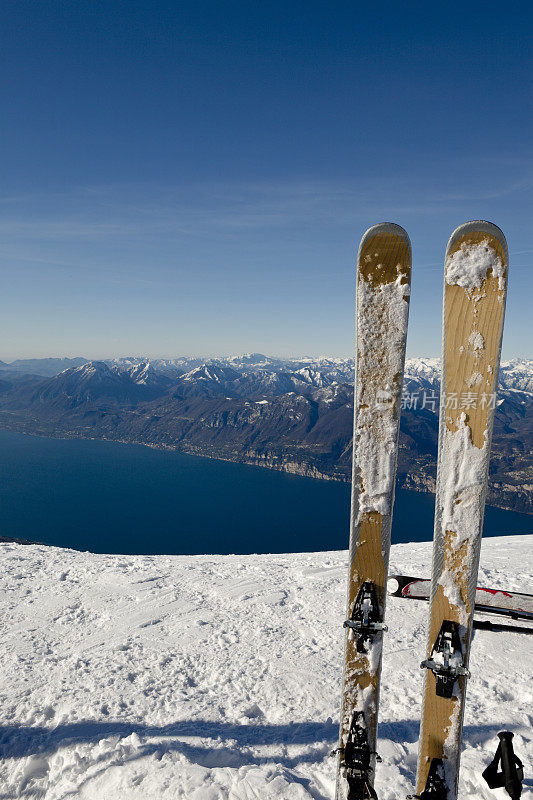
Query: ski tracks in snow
{"x": 214, "y": 677}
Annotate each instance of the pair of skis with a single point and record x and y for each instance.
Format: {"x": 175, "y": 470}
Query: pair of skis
{"x": 474, "y": 301}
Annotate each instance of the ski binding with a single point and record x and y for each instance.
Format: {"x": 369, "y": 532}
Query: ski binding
{"x": 446, "y": 660}
{"x": 355, "y": 761}
{"x": 364, "y": 621}
{"x": 435, "y": 784}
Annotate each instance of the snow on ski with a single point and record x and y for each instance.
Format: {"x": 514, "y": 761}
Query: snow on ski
{"x": 382, "y": 307}
{"x": 474, "y": 302}
{"x": 495, "y": 601}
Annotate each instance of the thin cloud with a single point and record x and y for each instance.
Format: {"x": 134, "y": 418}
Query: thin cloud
{"x": 123, "y": 212}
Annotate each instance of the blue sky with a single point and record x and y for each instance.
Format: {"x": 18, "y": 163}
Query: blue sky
{"x": 194, "y": 177}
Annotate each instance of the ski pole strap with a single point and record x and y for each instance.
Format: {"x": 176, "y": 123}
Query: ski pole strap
{"x": 511, "y": 774}
{"x": 446, "y": 659}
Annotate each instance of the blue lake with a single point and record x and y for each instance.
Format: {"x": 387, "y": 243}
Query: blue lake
{"x": 108, "y": 497}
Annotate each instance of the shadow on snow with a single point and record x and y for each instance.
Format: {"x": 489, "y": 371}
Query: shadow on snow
{"x": 19, "y": 741}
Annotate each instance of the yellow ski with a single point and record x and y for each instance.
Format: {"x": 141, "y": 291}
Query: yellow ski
{"x": 382, "y": 305}
{"x": 475, "y": 286}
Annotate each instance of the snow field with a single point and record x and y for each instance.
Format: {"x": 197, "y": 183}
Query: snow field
{"x": 207, "y": 677}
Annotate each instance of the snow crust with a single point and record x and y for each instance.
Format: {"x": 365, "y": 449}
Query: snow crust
{"x": 382, "y": 314}
{"x": 475, "y": 379}
{"x": 468, "y": 266}
{"x": 219, "y": 677}
{"x": 462, "y": 472}
{"x": 477, "y": 341}
{"x": 461, "y": 480}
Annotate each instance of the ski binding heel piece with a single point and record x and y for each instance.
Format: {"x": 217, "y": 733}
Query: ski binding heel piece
{"x": 446, "y": 660}
{"x": 355, "y": 761}
{"x": 511, "y": 774}
{"x": 365, "y": 619}
{"x": 435, "y": 784}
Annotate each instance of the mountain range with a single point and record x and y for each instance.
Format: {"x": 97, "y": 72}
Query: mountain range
{"x": 295, "y": 415}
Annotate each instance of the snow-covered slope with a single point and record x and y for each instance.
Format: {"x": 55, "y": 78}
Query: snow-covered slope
{"x": 129, "y": 677}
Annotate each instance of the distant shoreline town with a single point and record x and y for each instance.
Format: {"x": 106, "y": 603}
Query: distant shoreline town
{"x": 291, "y": 415}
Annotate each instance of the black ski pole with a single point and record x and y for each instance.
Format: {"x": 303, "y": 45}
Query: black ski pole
{"x": 511, "y": 774}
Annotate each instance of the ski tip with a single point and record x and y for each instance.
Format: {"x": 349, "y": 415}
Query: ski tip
{"x": 388, "y": 242}
{"x": 384, "y": 256}
{"x": 479, "y": 226}
{"x": 390, "y": 228}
